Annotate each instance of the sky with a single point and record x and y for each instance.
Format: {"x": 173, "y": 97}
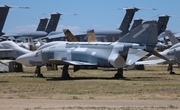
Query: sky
{"x": 91, "y": 14}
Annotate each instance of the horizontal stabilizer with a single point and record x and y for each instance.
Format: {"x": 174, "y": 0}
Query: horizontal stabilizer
{"x": 165, "y": 15}
{"x": 134, "y": 55}
{"x": 61, "y": 13}
{"x": 136, "y": 8}
{"x": 14, "y": 6}
{"x": 65, "y": 62}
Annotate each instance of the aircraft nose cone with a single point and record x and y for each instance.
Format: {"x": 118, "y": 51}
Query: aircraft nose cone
{"x": 24, "y": 59}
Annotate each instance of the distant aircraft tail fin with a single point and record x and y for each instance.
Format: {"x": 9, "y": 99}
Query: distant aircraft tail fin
{"x": 69, "y": 35}
{"x": 53, "y": 22}
{"x": 144, "y": 34}
{"x": 162, "y": 23}
{"x": 4, "y": 9}
{"x": 91, "y": 36}
{"x": 171, "y": 36}
{"x": 130, "y": 11}
{"x": 125, "y": 24}
{"x": 42, "y": 24}
{"x": 3, "y": 15}
{"x": 136, "y": 23}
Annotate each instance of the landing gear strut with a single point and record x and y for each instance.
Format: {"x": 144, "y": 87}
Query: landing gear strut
{"x": 38, "y": 71}
{"x": 65, "y": 74}
{"x": 119, "y": 73}
{"x": 170, "y": 68}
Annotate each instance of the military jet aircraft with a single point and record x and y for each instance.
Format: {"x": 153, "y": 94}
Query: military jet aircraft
{"x": 4, "y": 9}
{"x": 122, "y": 53}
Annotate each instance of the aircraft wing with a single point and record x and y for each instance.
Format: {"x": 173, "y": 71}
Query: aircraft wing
{"x": 10, "y": 35}
{"x": 135, "y": 55}
{"x": 6, "y": 50}
{"x": 150, "y": 62}
{"x": 64, "y": 62}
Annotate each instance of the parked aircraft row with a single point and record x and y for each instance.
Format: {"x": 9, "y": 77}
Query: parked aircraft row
{"x": 51, "y": 27}
{"x": 102, "y": 35}
{"x": 120, "y": 48}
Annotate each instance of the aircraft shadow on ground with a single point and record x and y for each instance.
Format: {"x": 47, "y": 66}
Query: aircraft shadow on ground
{"x": 139, "y": 78}
{"x": 4, "y": 81}
{"x": 76, "y": 78}
{"x": 105, "y": 78}
{"x": 82, "y": 78}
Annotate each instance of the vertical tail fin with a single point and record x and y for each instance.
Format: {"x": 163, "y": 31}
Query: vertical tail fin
{"x": 69, "y": 35}
{"x": 162, "y": 23}
{"x": 171, "y": 36}
{"x": 3, "y": 15}
{"x": 42, "y": 24}
{"x": 144, "y": 34}
{"x": 129, "y": 16}
{"x": 127, "y": 19}
{"x": 52, "y": 25}
{"x": 91, "y": 36}
{"x": 136, "y": 23}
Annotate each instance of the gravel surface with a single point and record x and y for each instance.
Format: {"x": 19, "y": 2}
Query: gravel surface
{"x": 46, "y": 104}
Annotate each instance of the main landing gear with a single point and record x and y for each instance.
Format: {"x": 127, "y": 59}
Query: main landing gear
{"x": 65, "y": 74}
{"x": 38, "y": 71}
{"x": 119, "y": 73}
{"x": 170, "y": 68}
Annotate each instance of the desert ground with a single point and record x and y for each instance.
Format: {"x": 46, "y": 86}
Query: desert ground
{"x": 152, "y": 88}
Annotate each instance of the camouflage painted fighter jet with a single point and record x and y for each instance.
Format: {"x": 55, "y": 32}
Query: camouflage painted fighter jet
{"x": 120, "y": 54}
